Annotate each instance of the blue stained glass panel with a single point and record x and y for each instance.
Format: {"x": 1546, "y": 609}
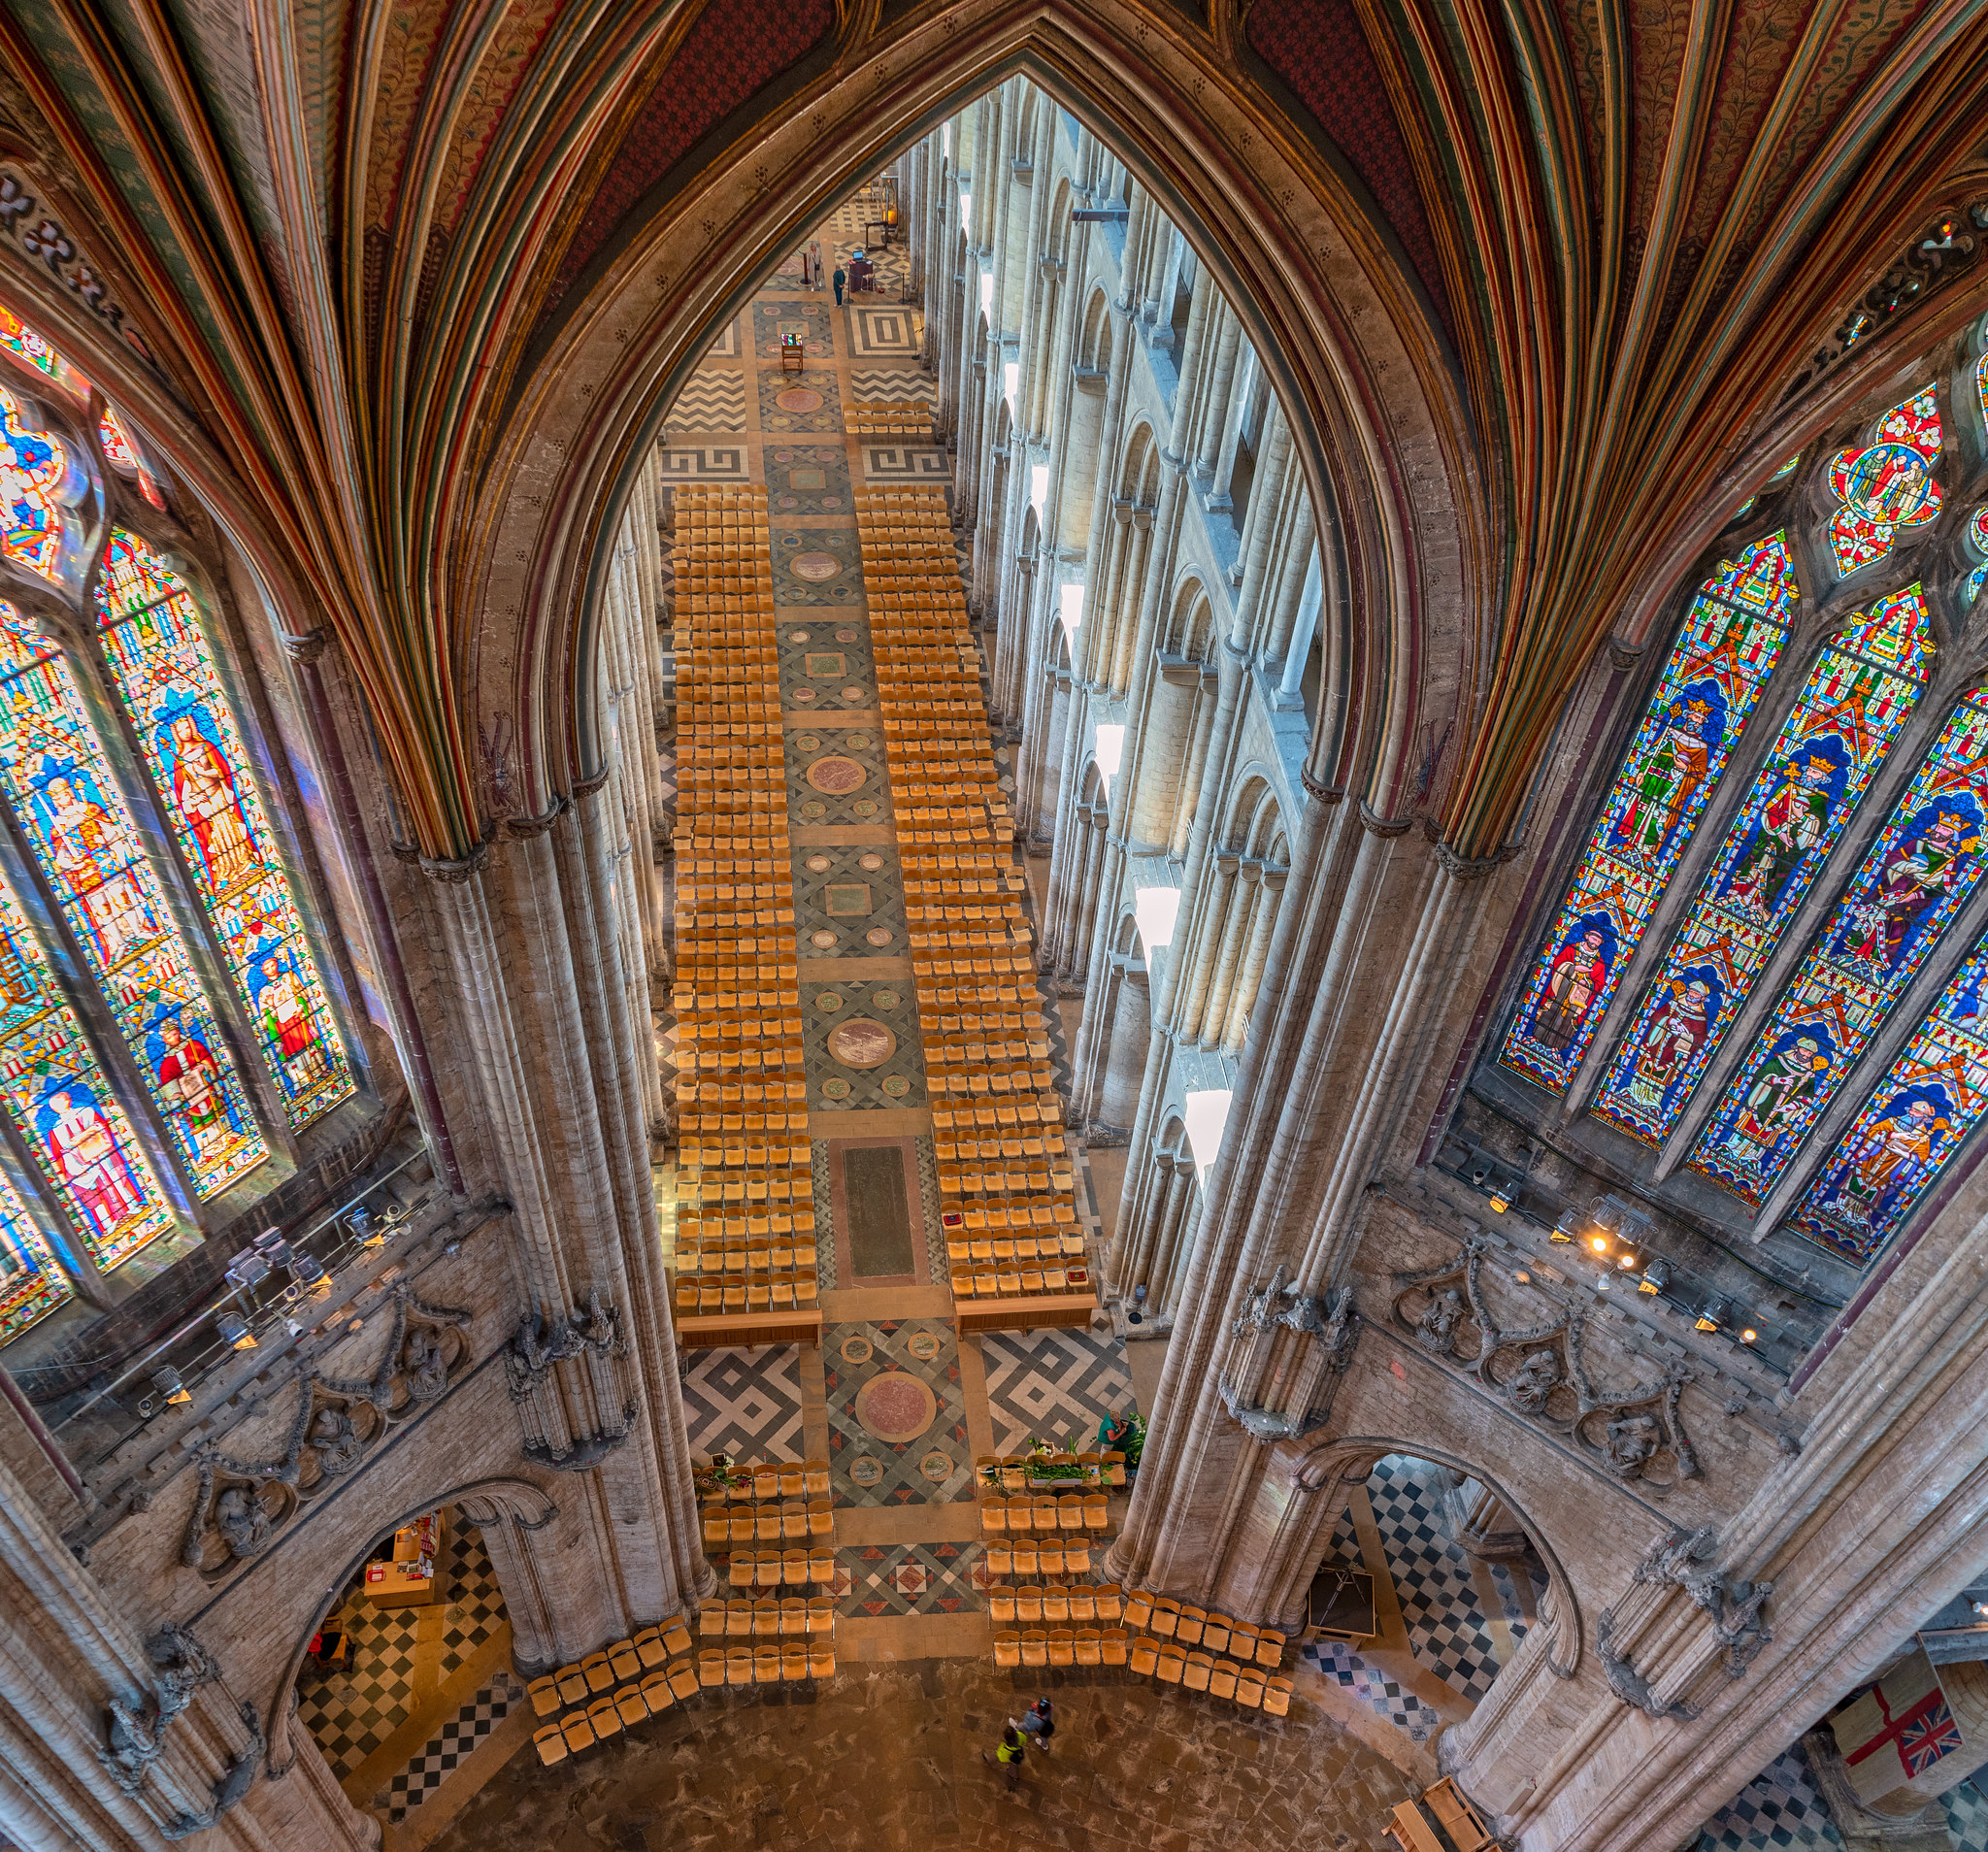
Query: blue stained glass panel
{"x": 1907, "y": 887}
{"x": 1844, "y": 722}
{"x": 60, "y": 787}
{"x": 1709, "y": 684}
{"x": 163, "y": 668}
{"x": 63, "y": 1108}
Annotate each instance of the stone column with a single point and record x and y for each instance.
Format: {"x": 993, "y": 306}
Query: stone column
{"x": 1227, "y": 961}
{"x": 1175, "y": 1246}
{"x": 1124, "y": 1056}
{"x": 1270, "y": 884}
{"x": 1214, "y": 399}
{"x": 1230, "y": 433}
{"x": 1201, "y": 951}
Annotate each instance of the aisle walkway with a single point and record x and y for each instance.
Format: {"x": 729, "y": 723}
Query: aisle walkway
{"x": 902, "y": 1454}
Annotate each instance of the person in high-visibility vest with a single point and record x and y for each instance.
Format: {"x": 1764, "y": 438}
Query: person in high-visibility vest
{"x": 1007, "y": 1757}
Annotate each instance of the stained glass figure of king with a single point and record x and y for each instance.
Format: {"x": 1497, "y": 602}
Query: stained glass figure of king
{"x": 85, "y": 844}
{"x": 1669, "y": 776}
{"x": 205, "y": 791}
{"x": 87, "y": 1157}
{"x": 1791, "y": 824}
{"x": 190, "y": 1078}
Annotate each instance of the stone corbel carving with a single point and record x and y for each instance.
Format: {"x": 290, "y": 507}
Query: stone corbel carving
{"x": 1541, "y": 1373}
{"x": 1688, "y": 1560}
{"x": 137, "y": 1735}
{"x": 1307, "y": 1371}
{"x": 1626, "y": 1682}
{"x": 532, "y": 1363}
{"x": 229, "y": 1790}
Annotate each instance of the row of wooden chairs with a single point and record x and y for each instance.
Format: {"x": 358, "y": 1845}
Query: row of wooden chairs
{"x": 624, "y": 1660}
{"x": 763, "y": 1479}
{"x": 1049, "y": 1601}
{"x": 746, "y": 1253}
{"x": 1049, "y": 1555}
{"x": 1022, "y": 1283}
{"x": 768, "y": 1618}
{"x": 764, "y": 1665}
{"x": 1191, "y": 1626}
{"x": 1172, "y": 1663}
{"x": 1044, "y": 1511}
{"x": 1062, "y": 1646}
{"x": 888, "y": 418}
{"x": 608, "y": 1715}
{"x": 703, "y": 1298}
{"x": 774, "y": 1568}
{"x": 797, "y": 1519}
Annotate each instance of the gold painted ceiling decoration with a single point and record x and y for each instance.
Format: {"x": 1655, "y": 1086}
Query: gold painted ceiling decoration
{"x": 349, "y": 232}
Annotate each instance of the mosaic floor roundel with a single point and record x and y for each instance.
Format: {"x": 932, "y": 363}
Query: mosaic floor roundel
{"x": 836, "y": 774}
{"x": 896, "y": 1406}
{"x": 860, "y": 1042}
{"x": 799, "y": 399}
{"x": 817, "y": 567}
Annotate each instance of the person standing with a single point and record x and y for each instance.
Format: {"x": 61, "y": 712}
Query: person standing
{"x": 841, "y": 276}
{"x": 1007, "y": 1757}
{"x": 1038, "y": 1723}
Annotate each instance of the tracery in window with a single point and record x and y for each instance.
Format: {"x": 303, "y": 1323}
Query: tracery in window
{"x": 62, "y": 1105}
{"x": 1887, "y": 485}
{"x": 25, "y": 344}
{"x": 31, "y": 1285}
{"x": 1709, "y": 684}
{"x": 62, "y": 793}
{"x": 1977, "y": 537}
{"x": 1746, "y": 508}
{"x": 1907, "y": 887}
{"x": 32, "y": 467}
{"x": 1918, "y": 1116}
{"x": 1856, "y": 699}
{"x": 185, "y": 728}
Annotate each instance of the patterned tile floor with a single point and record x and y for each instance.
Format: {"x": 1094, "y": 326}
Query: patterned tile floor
{"x": 911, "y": 1578}
{"x": 935, "y": 1468}
{"x": 1336, "y": 1661}
{"x": 456, "y": 1740}
{"x": 1448, "y": 1629}
{"x": 744, "y": 1402}
{"x": 1779, "y": 1807}
{"x": 1056, "y": 1385}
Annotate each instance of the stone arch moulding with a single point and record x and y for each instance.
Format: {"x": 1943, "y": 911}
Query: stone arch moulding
{"x": 1316, "y": 1465}
{"x": 486, "y": 1503}
{"x": 1361, "y": 377}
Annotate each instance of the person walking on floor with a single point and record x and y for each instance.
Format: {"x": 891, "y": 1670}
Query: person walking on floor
{"x": 1038, "y": 1723}
{"x": 1007, "y": 1757}
{"x": 841, "y": 276}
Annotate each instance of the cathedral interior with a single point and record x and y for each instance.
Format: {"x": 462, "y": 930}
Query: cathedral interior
{"x": 945, "y": 923}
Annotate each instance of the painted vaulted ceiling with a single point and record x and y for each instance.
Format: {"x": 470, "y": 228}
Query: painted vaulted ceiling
{"x": 349, "y": 263}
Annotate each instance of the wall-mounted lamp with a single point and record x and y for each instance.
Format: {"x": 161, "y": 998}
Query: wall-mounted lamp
{"x": 234, "y": 1330}
{"x": 1716, "y": 1313}
{"x": 366, "y": 1226}
{"x": 1655, "y": 1276}
{"x": 308, "y": 1273}
{"x": 1568, "y": 1228}
{"x": 166, "y": 1380}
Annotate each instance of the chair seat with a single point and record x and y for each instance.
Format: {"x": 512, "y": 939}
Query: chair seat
{"x": 550, "y": 1742}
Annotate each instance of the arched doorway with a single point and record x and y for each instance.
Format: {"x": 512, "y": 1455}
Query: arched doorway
{"x": 1452, "y": 1580}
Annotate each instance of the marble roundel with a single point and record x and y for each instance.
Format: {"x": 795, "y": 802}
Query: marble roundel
{"x": 799, "y": 399}
{"x": 860, "y": 1042}
{"x": 836, "y": 774}
{"x": 817, "y": 567}
{"x": 896, "y": 1406}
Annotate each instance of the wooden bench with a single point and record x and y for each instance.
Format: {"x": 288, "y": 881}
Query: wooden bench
{"x": 1458, "y": 1818}
{"x": 1412, "y": 1832}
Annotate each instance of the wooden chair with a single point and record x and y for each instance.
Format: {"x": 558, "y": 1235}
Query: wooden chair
{"x": 676, "y": 1636}
{"x": 1139, "y": 1609}
{"x": 657, "y": 1692}
{"x": 1089, "y": 1647}
{"x": 744, "y": 1569}
{"x": 1276, "y": 1695}
{"x": 794, "y": 1617}
{"x": 766, "y": 1664}
{"x": 1221, "y": 1681}
{"x": 1249, "y": 1689}
{"x": 1028, "y": 1602}
{"x": 1166, "y": 1616}
{"x": 683, "y": 1680}
{"x": 1242, "y": 1640}
{"x": 649, "y": 1648}
{"x": 1214, "y": 1632}
{"x": 711, "y": 1668}
{"x": 572, "y": 1683}
{"x": 1000, "y": 1561}
{"x": 993, "y": 1520}
{"x": 1035, "y": 1646}
{"x": 1192, "y": 1621}
{"x": 766, "y": 1619}
{"x": 1114, "y": 1644}
{"x": 544, "y": 1695}
{"x": 1083, "y": 1604}
{"x": 1062, "y": 1646}
{"x": 550, "y": 1743}
{"x": 1454, "y": 1811}
{"x": 1070, "y": 1512}
{"x": 631, "y": 1705}
{"x": 1008, "y": 1649}
{"x": 814, "y": 1477}
{"x": 821, "y": 1613}
{"x": 738, "y": 1619}
{"x": 1115, "y": 1463}
{"x": 822, "y": 1662}
{"x": 1111, "y": 1599}
{"x": 1269, "y": 1647}
{"x": 623, "y": 1661}
{"x": 1055, "y": 1605}
{"x": 793, "y": 1663}
{"x": 1001, "y": 1606}
{"x": 1027, "y": 1560}
{"x": 1052, "y": 1558}
{"x": 794, "y": 1568}
{"x": 604, "y": 1718}
{"x": 821, "y": 1517}
{"x": 1195, "y": 1675}
{"x": 1096, "y": 1511}
{"x": 1173, "y": 1662}
{"x": 738, "y": 1665}
{"x": 1145, "y": 1657}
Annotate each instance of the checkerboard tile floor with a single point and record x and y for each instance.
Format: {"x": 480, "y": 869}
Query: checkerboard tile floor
{"x": 1967, "y": 1817}
{"x": 1778, "y": 1807}
{"x": 476, "y": 1604}
{"x": 1338, "y": 1662}
{"x": 744, "y": 1402}
{"x": 1447, "y": 1629}
{"x": 450, "y": 1745}
{"x": 1055, "y": 1384}
{"x": 910, "y": 1579}
{"x": 352, "y": 1709}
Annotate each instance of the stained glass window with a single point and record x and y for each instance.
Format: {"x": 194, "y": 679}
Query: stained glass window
{"x": 31, "y": 1285}
{"x": 1907, "y": 887}
{"x": 64, "y": 1110}
{"x": 118, "y": 447}
{"x": 1919, "y": 1115}
{"x": 1887, "y": 484}
{"x": 1708, "y": 686}
{"x": 1850, "y": 712}
{"x": 161, "y": 664}
{"x": 1977, "y": 535}
{"x": 32, "y": 466}
{"x": 25, "y": 344}
{"x": 1747, "y": 507}
{"x": 60, "y": 788}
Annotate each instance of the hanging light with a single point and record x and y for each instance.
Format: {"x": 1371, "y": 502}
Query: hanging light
{"x": 1749, "y": 1336}
{"x": 234, "y": 1330}
{"x": 1568, "y": 1228}
{"x": 166, "y": 1380}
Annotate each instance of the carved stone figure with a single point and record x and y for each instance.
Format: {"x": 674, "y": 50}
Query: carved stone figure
{"x": 334, "y": 1440}
{"x": 426, "y": 1367}
{"x": 1436, "y": 1329}
{"x": 182, "y": 1664}
{"x": 242, "y": 1523}
{"x": 1533, "y": 1380}
{"x": 1633, "y": 1443}
{"x": 137, "y": 1739}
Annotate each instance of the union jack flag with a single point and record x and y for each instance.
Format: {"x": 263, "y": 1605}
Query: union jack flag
{"x": 1928, "y": 1735}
